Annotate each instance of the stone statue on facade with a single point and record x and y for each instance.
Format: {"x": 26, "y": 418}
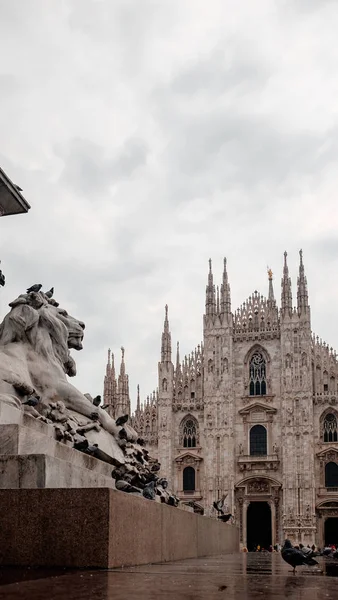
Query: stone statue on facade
{"x": 36, "y": 337}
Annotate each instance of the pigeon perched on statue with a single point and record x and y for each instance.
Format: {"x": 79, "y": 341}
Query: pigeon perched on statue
{"x": 92, "y": 449}
{"x": 34, "y": 288}
{"x": 295, "y": 557}
{"x": 50, "y": 293}
{"x": 81, "y": 445}
{"x": 31, "y": 401}
{"x": 97, "y": 400}
{"x": 121, "y": 420}
{"x": 125, "y": 486}
{"x": 149, "y": 491}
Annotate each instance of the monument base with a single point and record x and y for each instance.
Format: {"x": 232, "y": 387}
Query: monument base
{"x": 102, "y": 528}
{"x": 31, "y": 457}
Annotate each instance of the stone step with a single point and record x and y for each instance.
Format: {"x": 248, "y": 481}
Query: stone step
{"x": 32, "y": 471}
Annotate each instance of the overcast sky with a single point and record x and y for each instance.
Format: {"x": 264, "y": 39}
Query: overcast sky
{"x": 149, "y": 136}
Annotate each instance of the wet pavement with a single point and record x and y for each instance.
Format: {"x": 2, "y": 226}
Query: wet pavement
{"x": 233, "y": 576}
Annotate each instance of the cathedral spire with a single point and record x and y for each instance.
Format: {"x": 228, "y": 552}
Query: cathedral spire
{"x": 225, "y": 292}
{"x": 123, "y": 400}
{"x": 138, "y": 403}
{"x": 302, "y": 294}
{"x": 166, "y": 339}
{"x": 178, "y": 371}
{"x": 123, "y": 366}
{"x": 286, "y": 300}
{"x": 271, "y": 296}
{"x": 108, "y": 368}
{"x": 110, "y": 395}
{"x": 210, "y": 297}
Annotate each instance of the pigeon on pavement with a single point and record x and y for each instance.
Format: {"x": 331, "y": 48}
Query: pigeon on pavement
{"x": 295, "y": 557}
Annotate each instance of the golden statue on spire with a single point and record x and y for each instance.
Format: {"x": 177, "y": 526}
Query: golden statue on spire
{"x": 270, "y": 274}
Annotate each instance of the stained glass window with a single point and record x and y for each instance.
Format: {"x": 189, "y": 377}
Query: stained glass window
{"x": 189, "y": 434}
{"x": 257, "y": 385}
{"x": 330, "y": 433}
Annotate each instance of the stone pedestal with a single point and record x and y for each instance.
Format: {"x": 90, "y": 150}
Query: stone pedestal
{"x": 103, "y": 528}
{"x": 30, "y": 457}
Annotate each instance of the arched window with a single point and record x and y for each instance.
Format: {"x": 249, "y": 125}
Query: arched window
{"x": 331, "y": 475}
{"x": 189, "y": 434}
{"x": 189, "y": 479}
{"x": 257, "y": 385}
{"x": 330, "y": 432}
{"x": 258, "y": 441}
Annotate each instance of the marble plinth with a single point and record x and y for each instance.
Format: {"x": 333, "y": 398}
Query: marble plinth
{"x": 103, "y": 528}
{"x": 31, "y": 457}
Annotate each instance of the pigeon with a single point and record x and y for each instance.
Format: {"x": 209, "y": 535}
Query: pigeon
{"x": 306, "y": 551}
{"x": 104, "y": 406}
{"x": 224, "y": 518}
{"x": 294, "y": 557}
{"x": 97, "y": 400}
{"x": 50, "y": 293}
{"x": 123, "y": 434}
{"x": 92, "y": 449}
{"x": 31, "y": 401}
{"x": 149, "y": 491}
{"x": 34, "y": 288}
{"x": 219, "y": 504}
{"x": 121, "y": 420}
{"x": 125, "y": 486}
{"x": 81, "y": 445}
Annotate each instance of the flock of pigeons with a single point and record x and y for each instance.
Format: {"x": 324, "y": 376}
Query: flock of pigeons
{"x": 295, "y": 557}
{"x": 303, "y": 555}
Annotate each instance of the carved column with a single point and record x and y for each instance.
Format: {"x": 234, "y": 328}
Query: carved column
{"x": 240, "y": 519}
{"x": 273, "y": 522}
{"x": 244, "y": 520}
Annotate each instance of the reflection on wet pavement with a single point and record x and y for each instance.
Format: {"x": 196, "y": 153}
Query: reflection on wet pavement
{"x": 233, "y": 576}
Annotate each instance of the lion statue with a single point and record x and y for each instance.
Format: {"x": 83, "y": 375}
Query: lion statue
{"x": 35, "y": 341}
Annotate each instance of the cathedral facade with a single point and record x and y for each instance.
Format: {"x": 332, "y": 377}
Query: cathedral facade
{"x": 251, "y": 413}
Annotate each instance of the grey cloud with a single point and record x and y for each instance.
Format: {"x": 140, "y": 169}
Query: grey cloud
{"x": 88, "y": 170}
{"x": 231, "y": 65}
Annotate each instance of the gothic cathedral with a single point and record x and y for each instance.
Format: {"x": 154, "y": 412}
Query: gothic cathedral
{"x": 250, "y": 413}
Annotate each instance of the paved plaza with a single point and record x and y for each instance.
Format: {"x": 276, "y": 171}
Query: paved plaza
{"x": 234, "y": 577}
